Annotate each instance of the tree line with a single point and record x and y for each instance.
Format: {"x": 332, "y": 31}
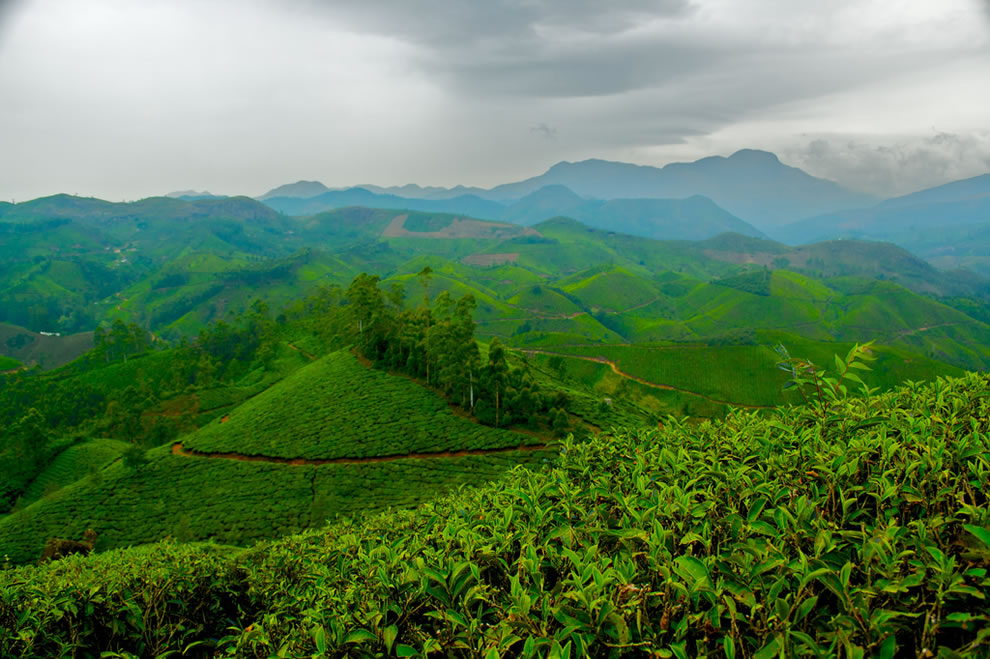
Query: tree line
{"x": 431, "y": 340}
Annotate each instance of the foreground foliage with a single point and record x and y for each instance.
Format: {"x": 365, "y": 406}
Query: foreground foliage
{"x": 864, "y": 531}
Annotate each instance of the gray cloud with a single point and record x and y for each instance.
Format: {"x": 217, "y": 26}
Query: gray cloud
{"x": 536, "y": 47}
{"x": 118, "y": 98}
{"x": 437, "y": 23}
{"x": 895, "y": 168}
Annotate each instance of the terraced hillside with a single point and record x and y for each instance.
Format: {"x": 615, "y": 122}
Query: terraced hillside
{"x": 334, "y": 438}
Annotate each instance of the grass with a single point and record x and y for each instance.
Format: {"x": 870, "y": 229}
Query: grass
{"x": 864, "y": 531}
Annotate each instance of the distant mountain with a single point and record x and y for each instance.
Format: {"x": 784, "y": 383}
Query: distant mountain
{"x": 413, "y": 191}
{"x": 948, "y": 225}
{"x": 694, "y": 218}
{"x": 192, "y": 195}
{"x": 977, "y": 187}
{"x": 301, "y": 189}
{"x": 92, "y": 210}
{"x": 688, "y": 219}
{"x": 752, "y": 185}
{"x": 964, "y": 202}
{"x": 549, "y": 201}
{"x": 331, "y": 199}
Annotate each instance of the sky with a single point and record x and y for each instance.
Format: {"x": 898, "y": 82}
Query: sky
{"x": 121, "y": 99}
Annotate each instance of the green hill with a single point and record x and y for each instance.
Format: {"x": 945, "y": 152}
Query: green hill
{"x": 773, "y": 534}
{"x": 75, "y": 462}
{"x": 337, "y": 408}
{"x": 334, "y": 438}
{"x": 45, "y": 350}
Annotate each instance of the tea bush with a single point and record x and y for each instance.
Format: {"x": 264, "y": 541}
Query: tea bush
{"x": 860, "y": 531}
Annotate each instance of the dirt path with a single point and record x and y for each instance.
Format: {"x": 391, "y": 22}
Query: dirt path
{"x": 640, "y": 306}
{"x": 655, "y": 385}
{"x": 301, "y": 351}
{"x": 918, "y": 330}
{"x": 179, "y": 449}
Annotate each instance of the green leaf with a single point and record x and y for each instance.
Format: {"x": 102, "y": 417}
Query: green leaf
{"x": 404, "y": 650}
{"x": 360, "y": 636}
{"x": 320, "y": 638}
{"x": 982, "y": 534}
{"x": 729, "y": 646}
{"x": 692, "y": 566}
{"x": 768, "y": 651}
{"x": 389, "y": 636}
{"x": 755, "y": 508}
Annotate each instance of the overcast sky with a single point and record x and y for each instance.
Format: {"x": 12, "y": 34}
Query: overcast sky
{"x": 123, "y": 99}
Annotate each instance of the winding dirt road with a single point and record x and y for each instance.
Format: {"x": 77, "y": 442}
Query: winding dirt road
{"x": 655, "y": 385}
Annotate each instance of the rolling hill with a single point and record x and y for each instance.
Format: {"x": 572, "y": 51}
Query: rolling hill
{"x": 639, "y": 538}
{"x": 947, "y": 224}
{"x": 332, "y": 438}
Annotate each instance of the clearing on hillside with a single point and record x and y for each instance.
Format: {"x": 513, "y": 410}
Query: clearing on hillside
{"x": 457, "y": 228}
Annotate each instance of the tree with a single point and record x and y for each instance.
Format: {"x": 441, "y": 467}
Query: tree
{"x": 561, "y": 423}
{"x": 496, "y": 375}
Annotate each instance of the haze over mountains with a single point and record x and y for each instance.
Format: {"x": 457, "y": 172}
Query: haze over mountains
{"x": 751, "y": 185}
{"x": 750, "y": 192}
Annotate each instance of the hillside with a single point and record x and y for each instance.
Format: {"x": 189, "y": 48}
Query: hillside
{"x": 678, "y": 541}
{"x": 949, "y": 225}
{"x": 44, "y": 350}
{"x": 694, "y": 218}
{"x": 333, "y": 438}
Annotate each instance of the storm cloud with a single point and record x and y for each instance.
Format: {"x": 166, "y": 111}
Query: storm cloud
{"x": 120, "y": 99}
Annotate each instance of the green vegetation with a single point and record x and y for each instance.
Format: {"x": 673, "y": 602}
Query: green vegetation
{"x": 738, "y": 374}
{"x": 8, "y": 364}
{"x": 865, "y": 531}
{"x": 337, "y": 408}
{"x": 86, "y": 458}
{"x": 232, "y": 501}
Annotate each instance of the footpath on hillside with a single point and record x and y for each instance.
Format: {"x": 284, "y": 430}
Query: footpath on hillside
{"x": 667, "y": 387}
{"x": 179, "y": 449}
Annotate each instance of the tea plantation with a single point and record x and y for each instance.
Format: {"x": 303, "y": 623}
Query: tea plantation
{"x": 337, "y": 408}
{"x": 861, "y": 528}
{"x": 261, "y": 471}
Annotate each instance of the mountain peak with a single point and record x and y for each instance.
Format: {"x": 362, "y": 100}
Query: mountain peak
{"x": 755, "y": 155}
{"x": 304, "y": 189}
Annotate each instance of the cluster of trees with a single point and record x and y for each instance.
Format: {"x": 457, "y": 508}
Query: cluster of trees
{"x": 433, "y": 341}
{"x": 120, "y": 341}
{"x": 24, "y": 451}
{"x": 37, "y": 407}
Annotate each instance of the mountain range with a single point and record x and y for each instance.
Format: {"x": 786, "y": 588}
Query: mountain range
{"x": 752, "y": 185}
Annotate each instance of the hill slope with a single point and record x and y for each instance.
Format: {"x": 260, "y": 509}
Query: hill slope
{"x": 763, "y": 535}
{"x": 334, "y": 438}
